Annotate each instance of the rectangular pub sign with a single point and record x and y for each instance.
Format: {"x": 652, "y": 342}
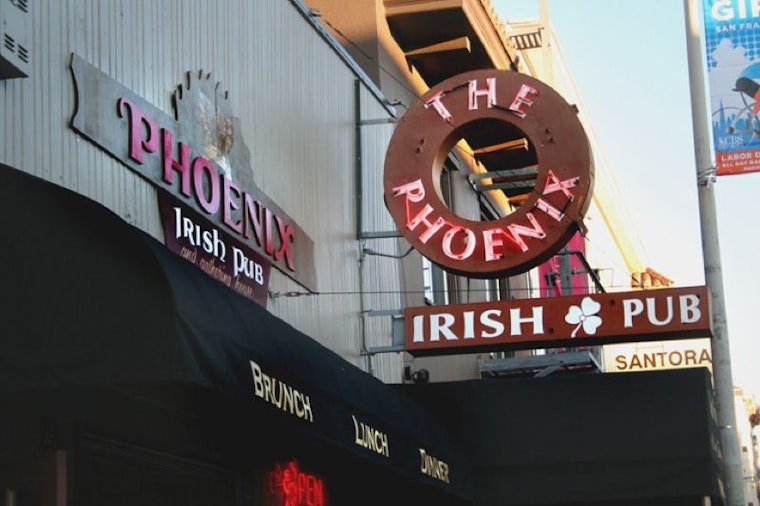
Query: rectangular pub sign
{"x": 578, "y": 320}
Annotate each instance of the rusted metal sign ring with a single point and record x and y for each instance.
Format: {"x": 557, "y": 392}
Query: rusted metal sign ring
{"x": 544, "y": 222}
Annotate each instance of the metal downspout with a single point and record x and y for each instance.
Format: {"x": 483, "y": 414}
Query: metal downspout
{"x": 358, "y": 155}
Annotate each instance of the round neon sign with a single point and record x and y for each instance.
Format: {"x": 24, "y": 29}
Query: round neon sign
{"x": 546, "y": 219}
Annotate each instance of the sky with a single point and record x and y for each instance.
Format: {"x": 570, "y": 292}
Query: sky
{"x": 629, "y": 64}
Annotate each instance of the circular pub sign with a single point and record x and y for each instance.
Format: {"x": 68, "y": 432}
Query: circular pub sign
{"x": 487, "y": 101}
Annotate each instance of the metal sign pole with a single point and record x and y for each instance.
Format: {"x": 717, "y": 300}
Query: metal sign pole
{"x": 721, "y": 358}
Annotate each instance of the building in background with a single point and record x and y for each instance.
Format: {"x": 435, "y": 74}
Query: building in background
{"x": 745, "y": 408}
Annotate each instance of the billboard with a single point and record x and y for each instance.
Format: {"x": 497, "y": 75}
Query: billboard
{"x": 732, "y": 48}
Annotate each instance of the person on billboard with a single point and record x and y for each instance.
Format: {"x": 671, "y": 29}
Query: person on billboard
{"x": 747, "y": 84}
{"x": 745, "y": 121}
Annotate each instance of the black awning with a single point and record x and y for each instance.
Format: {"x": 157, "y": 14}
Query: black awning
{"x": 90, "y": 300}
{"x": 615, "y": 439}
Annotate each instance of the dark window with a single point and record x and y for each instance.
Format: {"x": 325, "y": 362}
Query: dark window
{"x": 118, "y": 474}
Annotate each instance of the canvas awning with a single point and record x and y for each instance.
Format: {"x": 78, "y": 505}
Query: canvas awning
{"x": 91, "y": 301}
{"x": 615, "y": 439}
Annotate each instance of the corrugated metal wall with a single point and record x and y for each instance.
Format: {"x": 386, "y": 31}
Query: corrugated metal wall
{"x": 382, "y": 282}
{"x": 295, "y": 97}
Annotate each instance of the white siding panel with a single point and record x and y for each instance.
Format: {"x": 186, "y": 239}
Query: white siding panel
{"x": 382, "y": 273}
{"x": 295, "y": 98}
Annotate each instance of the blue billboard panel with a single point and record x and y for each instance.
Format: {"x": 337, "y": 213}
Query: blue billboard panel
{"x": 732, "y": 43}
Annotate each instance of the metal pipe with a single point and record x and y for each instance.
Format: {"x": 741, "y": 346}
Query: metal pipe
{"x": 721, "y": 356}
{"x": 358, "y": 154}
{"x": 359, "y": 223}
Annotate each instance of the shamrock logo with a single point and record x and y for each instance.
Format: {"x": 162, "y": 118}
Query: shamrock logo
{"x": 584, "y": 316}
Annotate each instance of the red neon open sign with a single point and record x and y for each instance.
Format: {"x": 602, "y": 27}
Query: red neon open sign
{"x": 289, "y": 486}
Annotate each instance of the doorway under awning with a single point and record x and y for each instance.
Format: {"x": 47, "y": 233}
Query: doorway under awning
{"x": 92, "y": 302}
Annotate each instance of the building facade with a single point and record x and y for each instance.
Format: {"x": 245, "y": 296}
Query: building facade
{"x": 205, "y": 285}
{"x": 163, "y": 152}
